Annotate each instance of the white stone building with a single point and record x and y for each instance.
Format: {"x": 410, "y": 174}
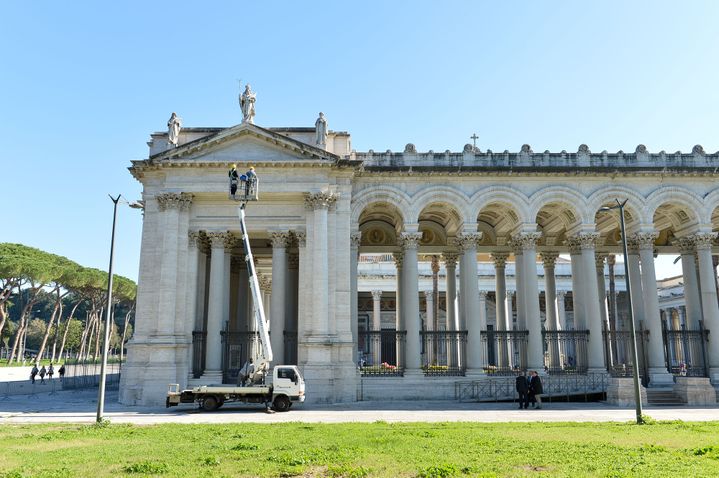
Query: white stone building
{"x": 493, "y": 222}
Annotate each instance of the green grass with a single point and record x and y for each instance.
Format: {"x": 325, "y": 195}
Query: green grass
{"x": 362, "y": 450}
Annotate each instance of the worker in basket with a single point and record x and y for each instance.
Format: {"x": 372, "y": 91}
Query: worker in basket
{"x": 234, "y": 177}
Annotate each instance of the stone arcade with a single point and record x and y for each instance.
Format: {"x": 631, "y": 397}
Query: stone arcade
{"x": 324, "y": 207}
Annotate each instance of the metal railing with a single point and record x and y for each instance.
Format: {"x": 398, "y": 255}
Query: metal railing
{"x": 199, "y": 339}
{"x": 565, "y": 351}
{"x": 444, "y": 352}
{"x": 618, "y": 353}
{"x": 237, "y": 347}
{"x": 504, "y": 352}
{"x": 685, "y": 352}
{"x": 86, "y": 374}
{"x": 556, "y": 387}
{"x": 382, "y": 352}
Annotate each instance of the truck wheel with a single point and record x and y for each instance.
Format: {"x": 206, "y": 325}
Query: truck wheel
{"x": 210, "y": 404}
{"x": 281, "y": 403}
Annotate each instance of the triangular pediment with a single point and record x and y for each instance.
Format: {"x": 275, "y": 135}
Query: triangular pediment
{"x": 245, "y": 142}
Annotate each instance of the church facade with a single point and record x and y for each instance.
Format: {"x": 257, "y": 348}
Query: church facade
{"x": 491, "y": 230}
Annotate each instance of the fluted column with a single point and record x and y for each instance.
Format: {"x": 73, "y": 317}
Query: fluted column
{"x": 450, "y": 265}
{"x": 355, "y": 240}
{"x": 320, "y": 203}
{"x": 279, "y": 294}
{"x": 429, "y": 310}
{"x": 483, "y": 310}
{"x": 549, "y": 260}
{"x": 635, "y": 281}
{"x": 399, "y": 309}
{"x": 561, "y": 310}
{"x": 519, "y": 283}
{"x": 530, "y": 290}
{"x": 304, "y": 296}
{"x": 692, "y": 298}
{"x": 193, "y": 254}
{"x": 710, "y": 310}
{"x": 469, "y": 285}
{"x": 410, "y": 302}
{"x": 293, "y": 264}
{"x": 376, "y": 310}
{"x": 602, "y": 289}
{"x": 575, "y": 255}
{"x": 217, "y": 295}
{"x": 500, "y": 288}
{"x": 585, "y": 243}
{"x": 658, "y": 373}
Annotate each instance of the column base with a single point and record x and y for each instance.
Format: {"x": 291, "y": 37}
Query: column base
{"x": 714, "y": 376}
{"x": 620, "y": 392}
{"x": 211, "y": 377}
{"x": 659, "y": 377}
{"x": 695, "y": 391}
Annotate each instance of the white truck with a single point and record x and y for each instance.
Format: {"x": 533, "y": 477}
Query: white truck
{"x": 286, "y": 385}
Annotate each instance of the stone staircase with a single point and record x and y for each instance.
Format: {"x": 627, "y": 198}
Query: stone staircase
{"x": 663, "y": 397}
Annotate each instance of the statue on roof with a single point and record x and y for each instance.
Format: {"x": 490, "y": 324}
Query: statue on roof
{"x": 247, "y": 103}
{"x": 173, "y": 129}
{"x": 321, "y": 130}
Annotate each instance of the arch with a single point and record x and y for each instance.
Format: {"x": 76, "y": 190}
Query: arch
{"x": 505, "y": 195}
{"x": 374, "y": 194}
{"x": 711, "y": 201}
{"x": 676, "y": 196}
{"x": 569, "y": 198}
{"x": 439, "y": 194}
{"x": 607, "y": 196}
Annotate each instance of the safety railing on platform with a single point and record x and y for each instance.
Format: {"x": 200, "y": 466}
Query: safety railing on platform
{"x": 504, "y": 352}
{"x": 565, "y": 351}
{"x": 382, "y": 352}
{"x": 618, "y": 353}
{"x": 444, "y": 352}
{"x": 685, "y": 352}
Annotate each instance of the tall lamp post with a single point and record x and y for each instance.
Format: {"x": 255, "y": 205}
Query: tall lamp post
{"x": 632, "y": 329}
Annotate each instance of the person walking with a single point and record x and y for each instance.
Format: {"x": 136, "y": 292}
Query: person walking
{"x": 535, "y": 389}
{"x": 522, "y": 389}
{"x": 33, "y": 373}
{"x": 43, "y": 371}
{"x": 61, "y": 371}
{"x": 50, "y": 372}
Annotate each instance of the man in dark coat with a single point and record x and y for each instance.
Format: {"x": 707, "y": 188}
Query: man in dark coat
{"x": 535, "y": 390}
{"x": 522, "y": 389}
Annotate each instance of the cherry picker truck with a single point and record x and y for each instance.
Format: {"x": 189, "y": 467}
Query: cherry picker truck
{"x": 285, "y": 385}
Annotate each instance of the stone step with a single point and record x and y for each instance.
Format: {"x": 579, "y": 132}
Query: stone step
{"x": 663, "y": 397}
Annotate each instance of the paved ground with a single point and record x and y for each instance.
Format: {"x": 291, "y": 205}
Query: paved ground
{"x": 80, "y": 407}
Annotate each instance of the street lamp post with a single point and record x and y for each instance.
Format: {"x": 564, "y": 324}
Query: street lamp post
{"x": 632, "y": 329}
{"x": 108, "y": 318}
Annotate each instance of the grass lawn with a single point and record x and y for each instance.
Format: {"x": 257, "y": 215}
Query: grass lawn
{"x": 674, "y": 449}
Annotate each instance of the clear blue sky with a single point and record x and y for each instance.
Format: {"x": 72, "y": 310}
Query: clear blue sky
{"x": 84, "y": 83}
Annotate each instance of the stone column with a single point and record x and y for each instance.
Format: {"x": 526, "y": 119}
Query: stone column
{"x": 658, "y": 374}
{"x": 469, "y": 285}
{"x": 530, "y": 289}
{"x": 602, "y": 298}
{"x": 279, "y": 295}
{"x": 450, "y": 265}
{"x": 512, "y": 359}
{"x": 483, "y": 310}
{"x": 500, "y": 288}
{"x": 585, "y": 242}
{"x": 575, "y": 254}
{"x": 561, "y": 310}
{"x": 217, "y": 296}
{"x": 551, "y": 323}
{"x": 635, "y": 281}
{"x": 304, "y": 296}
{"x": 519, "y": 283}
{"x": 320, "y": 203}
{"x": 355, "y": 240}
{"x": 192, "y": 292}
{"x": 410, "y": 302}
{"x": 399, "y": 305}
{"x": 429, "y": 342}
{"x": 376, "y": 310}
{"x": 293, "y": 264}
{"x": 692, "y": 299}
{"x": 710, "y": 310}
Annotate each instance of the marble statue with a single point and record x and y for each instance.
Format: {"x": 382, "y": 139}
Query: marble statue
{"x": 321, "y": 130}
{"x": 173, "y": 129}
{"x": 247, "y": 103}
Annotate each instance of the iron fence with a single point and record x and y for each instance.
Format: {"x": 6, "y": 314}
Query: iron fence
{"x": 685, "y": 352}
{"x": 556, "y": 387}
{"x": 382, "y": 352}
{"x": 444, "y": 352}
{"x": 199, "y": 339}
{"x": 504, "y": 352}
{"x": 565, "y": 351}
{"x": 618, "y": 353}
{"x": 237, "y": 348}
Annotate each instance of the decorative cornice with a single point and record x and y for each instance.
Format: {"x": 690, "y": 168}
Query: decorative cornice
{"x": 469, "y": 241}
{"x": 320, "y": 200}
{"x": 549, "y": 258}
{"x": 181, "y": 201}
{"x": 500, "y": 259}
{"x": 410, "y": 240}
{"x": 642, "y": 240}
{"x": 450, "y": 259}
{"x": 582, "y": 241}
{"x": 280, "y": 239}
{"x": 355, "y": 239}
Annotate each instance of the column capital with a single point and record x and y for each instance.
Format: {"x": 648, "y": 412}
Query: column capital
{"x": 355, "y": 239}
{"x": 466, "y": 242}
{"x": 599, "y": 261}
{"x": 398, "y": 259}
{"x": 510, "y": 294}
{"x": 280, "y": 239}
{"x": 301, "y": 238}
{"x": 561, "y": 294}
{"x": 525, "y": 241}
{"x": 500, "y": 259}
{"x": 450, "y": 259}
{"x": 181, "y": 201}
{"x": 194, "y": 239}
{"x": 265, "y": 283}
{"x": 320, "y": 200}
{"x": 642, "y": 240}
{"x": 221, "y": 239}
{"x": 685, "y": 244}
{"x": 435, "y": 264}
{"x": 376, "y": 294}
{"x": 483, "y": 294}
{"x": 429, "y": 295}
{"x": 704, "y": 240}
{"x": 582, "y": 241}
{"x": 611, "y": 259}
{"x": 410, "y": 240}
{"x": 549, "y": 258}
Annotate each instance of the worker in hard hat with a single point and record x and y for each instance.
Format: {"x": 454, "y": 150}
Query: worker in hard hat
{"x": 234, "y": 178}
{"x": 251, "y": 178}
